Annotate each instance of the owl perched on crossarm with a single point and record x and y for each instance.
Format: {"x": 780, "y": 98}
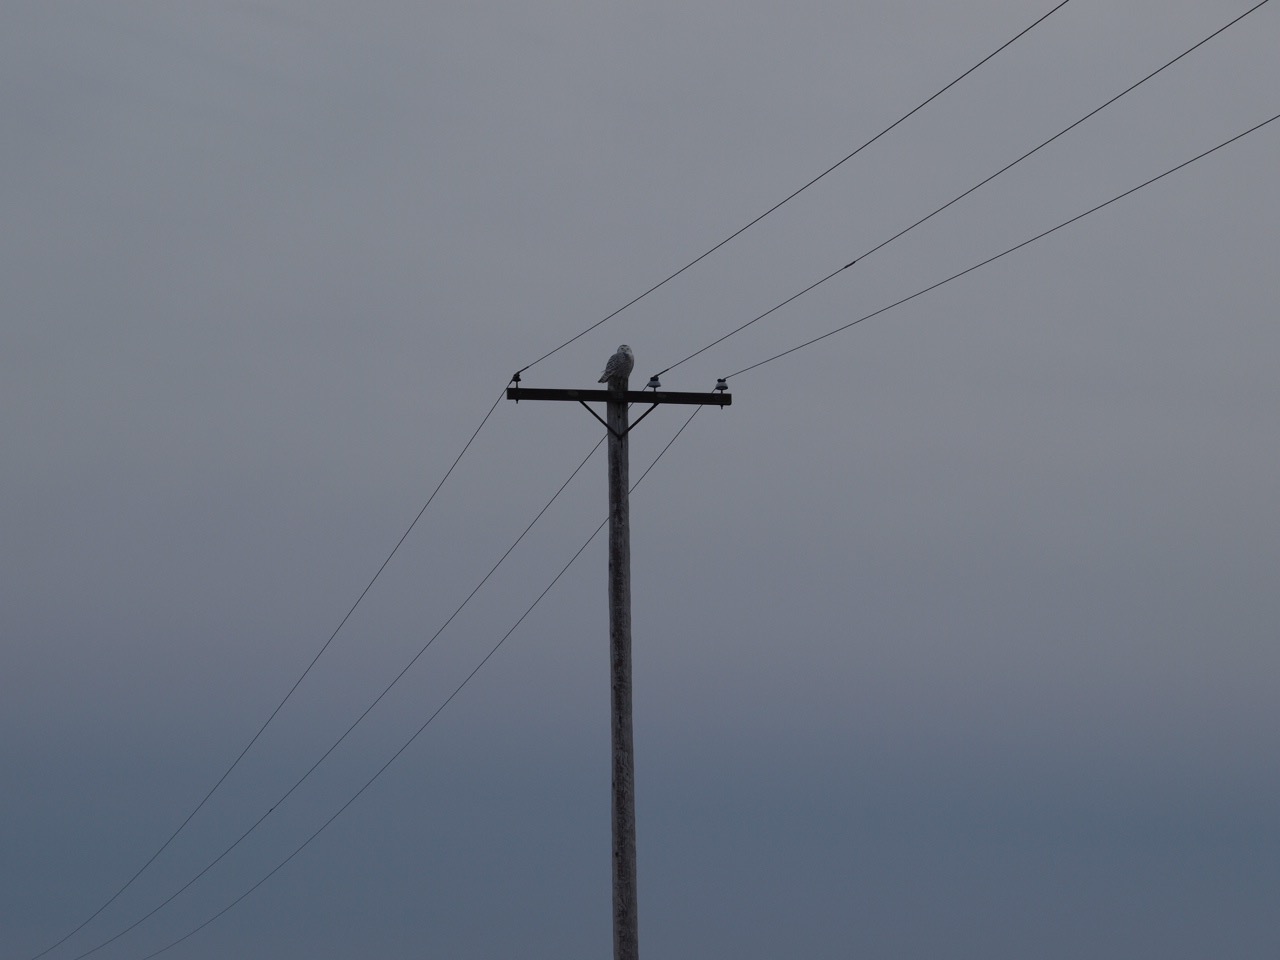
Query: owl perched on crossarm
{"x": 618, "y": 369}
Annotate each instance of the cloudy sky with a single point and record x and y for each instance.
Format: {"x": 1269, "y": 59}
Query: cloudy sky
{"x": 955, "y": 636}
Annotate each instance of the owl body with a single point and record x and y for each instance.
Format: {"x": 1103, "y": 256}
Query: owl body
{"x": 618, "y": 369}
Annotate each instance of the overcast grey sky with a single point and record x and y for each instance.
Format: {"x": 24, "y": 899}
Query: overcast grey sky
{"x": 955, "y": 636}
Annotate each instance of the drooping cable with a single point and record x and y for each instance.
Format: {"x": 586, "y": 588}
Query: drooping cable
{"x": 285, "y": 699}
{"x": 1004, "y": 253}
{"x": 405, "y": 746}
{"x": 977, "y": 186}
{"x": 806, "y": 186}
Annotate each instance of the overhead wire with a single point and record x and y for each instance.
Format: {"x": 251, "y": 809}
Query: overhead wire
{"x": 488, "y": 414}
{"x": 954, "y": 200}
{"x": 1005, "y": 253}
{"x": 182, "y": 826}
{"x": 387, "y": 689}
{"x": 796, "y": 193}
{"x": 129, "y": 882}
{"x": 279, "y": 706}
{"x": 736, "y": 373}
{"x": 405, "y": 746}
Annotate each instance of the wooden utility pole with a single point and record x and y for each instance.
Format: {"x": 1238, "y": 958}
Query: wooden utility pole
{"x": 626, "y": 922}
{"x": 617, "y": 402}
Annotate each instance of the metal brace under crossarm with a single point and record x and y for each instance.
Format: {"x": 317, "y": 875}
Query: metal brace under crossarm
{"x": 630, "y": 427}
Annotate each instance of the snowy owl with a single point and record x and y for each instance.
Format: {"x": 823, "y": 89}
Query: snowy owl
{"x": 619, "y": 367}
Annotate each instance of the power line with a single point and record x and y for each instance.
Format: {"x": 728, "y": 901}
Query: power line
{"x": 753, "y": 366}
{"x": 405, "y": 746}
{"x": 989, "y": 260}
{"x": 671, "y": 277}
{"x": 279, "y": 706}
{"x": 557, "y": 577}
{"x": 469, "y": 442}
{"x": 801, "y": 190}
{"x": 354, "y": 723}
{"x": 959, "y": 197}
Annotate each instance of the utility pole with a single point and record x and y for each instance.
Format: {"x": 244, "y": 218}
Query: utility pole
{"x": 626, "y": 921}
{"x": 617, "y": 400}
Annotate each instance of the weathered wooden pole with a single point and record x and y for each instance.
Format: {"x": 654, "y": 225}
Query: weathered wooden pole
{"x": 625, "y": 915}
{"x": 617, "y": 399}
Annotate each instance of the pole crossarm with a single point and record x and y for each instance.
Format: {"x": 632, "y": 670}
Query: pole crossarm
{"x": 721, "y": 399}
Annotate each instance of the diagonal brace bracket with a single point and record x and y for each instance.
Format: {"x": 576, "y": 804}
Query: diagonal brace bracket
{"x": 630, "y": 427}
{"x": 598, "y": 417}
